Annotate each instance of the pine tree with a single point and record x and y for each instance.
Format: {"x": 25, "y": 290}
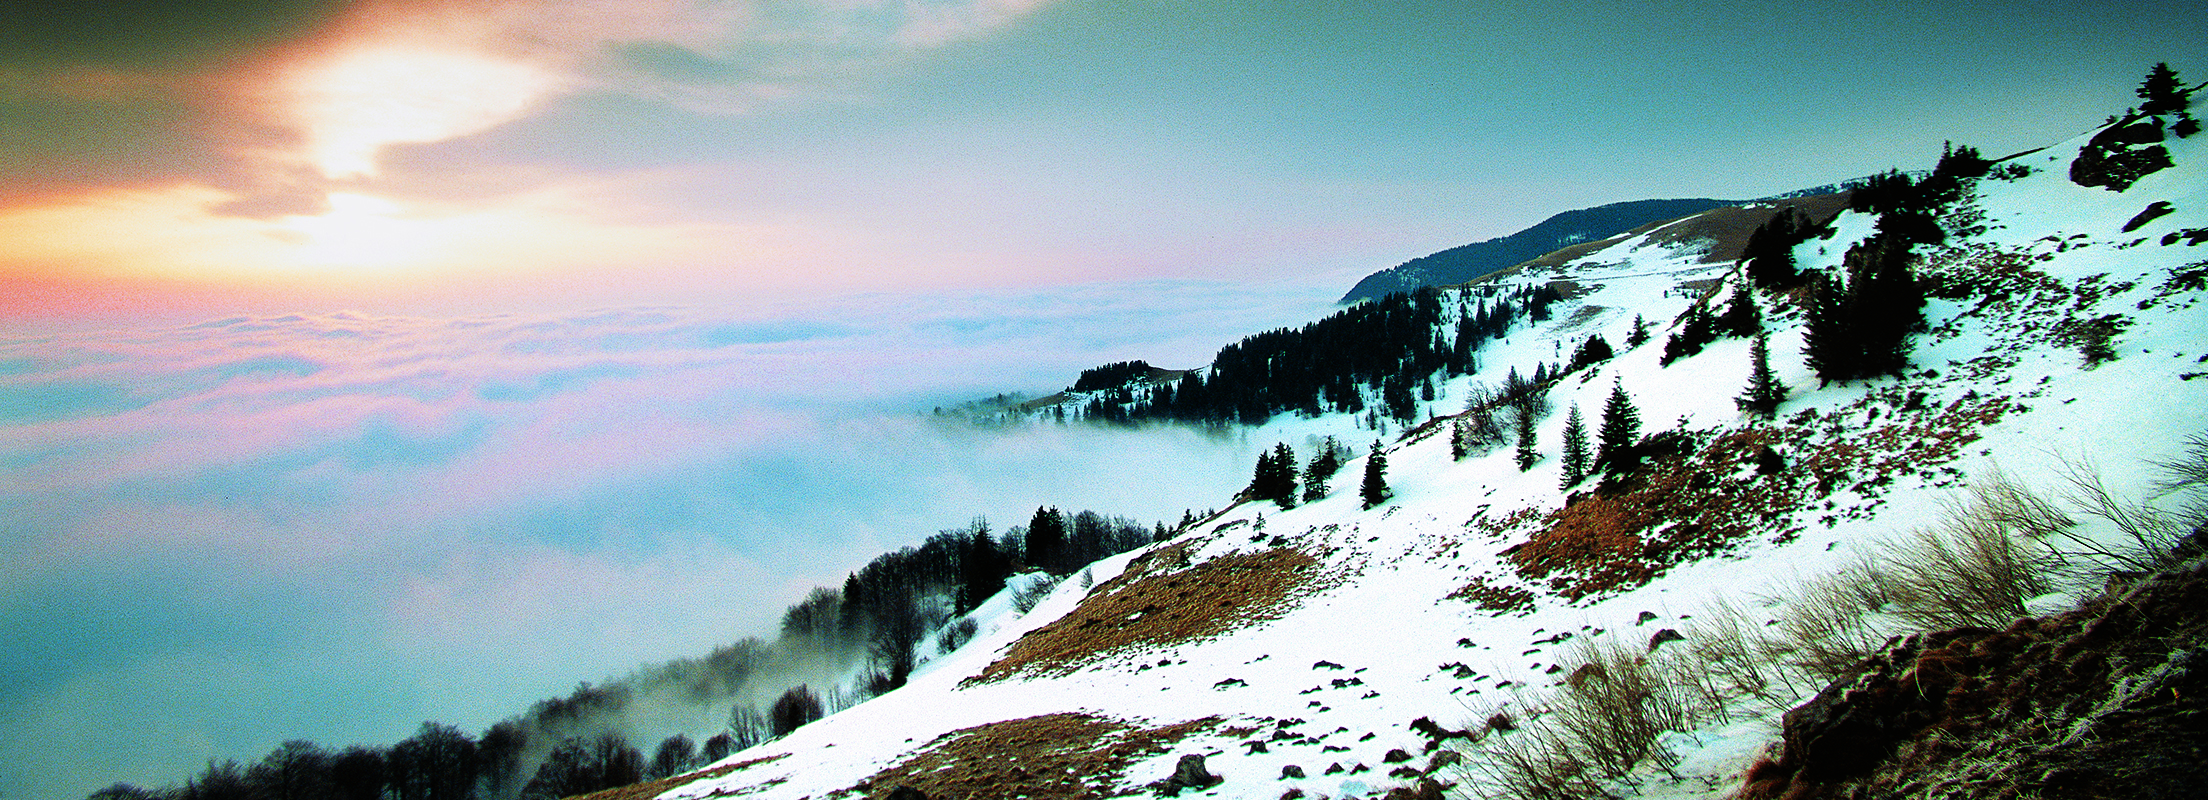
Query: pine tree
{"x": 1320, "y": 471}
{"x": 1046, "y": 539}
{"x": 1828, "y": 338}
{"x": 1527, "y": 454}
{"x": 1374, "y": 489}
{"x": 1764, "y": 393}
{"x": 1460, "y": 439}
{"x": 1696, "y": 330}
{"x": 1575, "y": 449}
{"x": 1741, "y": 317}
{"x": 2162, "y": 91}
{"x": 1639, "y": 336}
{"x": 1620, "y": 432}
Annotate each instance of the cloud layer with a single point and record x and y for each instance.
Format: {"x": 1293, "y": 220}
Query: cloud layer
{"x": 334, "y": 526}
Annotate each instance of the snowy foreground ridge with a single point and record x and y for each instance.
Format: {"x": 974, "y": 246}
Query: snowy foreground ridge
{"x": 1331, "y": 650}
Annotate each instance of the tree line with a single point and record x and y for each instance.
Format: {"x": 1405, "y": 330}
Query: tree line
{"x": 1382, "y": 357}
{"x": 878, "y": 621}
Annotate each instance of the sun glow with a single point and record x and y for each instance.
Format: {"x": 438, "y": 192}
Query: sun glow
{"x": 359, "y": 231}
{"x": 354, "y": 103}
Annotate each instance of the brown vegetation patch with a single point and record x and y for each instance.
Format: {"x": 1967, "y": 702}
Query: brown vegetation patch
{"x": 651, "y": 789}
{"x": 1154, "y": 604}
{"x": 2101, "y": 702}
{"x": 1686, "y": 502}
{"x": 1490, "y": 597}
{"x": 1064, "y": 755}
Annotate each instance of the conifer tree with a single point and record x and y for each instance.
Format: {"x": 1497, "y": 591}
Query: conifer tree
{"x": 1828, "y": 337}
{"x": 1527, "y": 455}
{"x": 1320, "y": 472}
{"x": 1620, "y": 432}
{"x": 1763, "y": 395}
{"x": 2162, "y": 91}
{"x": 1639, "y": 336}
{"x": 1575, "y": 449}
{"x": 1460, "y": 436}
{"x": 1046, "y": 539}
{"x": 1741, "y": 317}
{"x": 1374, "y": 489}
{"x": 1696, "y": 330}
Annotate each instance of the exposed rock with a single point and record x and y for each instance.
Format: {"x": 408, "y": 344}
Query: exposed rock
{"x": 903, "y": 792}
{"x": 1662, "y": 636}
{"x": 1188, "y": 774}
{"x": 1432, "y": 730}
{"x": 1645, "y": 618}
{"x": 1396, "y": 756}
{"x": 1291, "y": 771}
{"x": 1426, "y": 789}
{"x": 2106, "y": 701}
{"x": 2121, "y": 155}
{"x": 2155, "y": 210}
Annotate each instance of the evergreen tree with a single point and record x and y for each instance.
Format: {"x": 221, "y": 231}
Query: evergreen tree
{"x": 1576, "y": 457}
{"x": 1374, "y": 489}
{"x": 1741, "y": 317}
{"x": 1862, "y": 330}
{"x": 1828, "y": 340}
{"x": 1046, "y": 540}
{"x": 1527, "y": 454}
{"x": 1615, "y": 442}
{"x": 1639, "y": 336}
{"x": 1593, "y": 351}
{"x": 1460, "y": 436}
{"x": 1275, "y": 478}
{"x": 1770, "y": 251}
{"x": 1320, "y": 472}
{"x": 1764, "y": 393}
{"x": 2162, "y": 91}
{"x": 1696, "y": 330}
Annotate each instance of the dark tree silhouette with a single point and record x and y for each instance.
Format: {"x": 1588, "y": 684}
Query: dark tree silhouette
{"x": 358, "y": 774}
{"x": 2162, "y": 91}
{"x": 295, "y": 770}
{"x": 675, "y": 756}
{"x": 1764, "y": 393}
{"x": 1616, "y": 441}
{"x": 794, "y": 709}
{"x": 1576, "y": 457}
{"x": 1046, "y": 540}
{"x": 437, "y": 763}
{"x": 1374, "y": 489}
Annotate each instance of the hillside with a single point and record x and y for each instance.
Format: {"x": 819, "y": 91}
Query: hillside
{"x": 1472, "y": 261}
{"x": 1335, "y": 650}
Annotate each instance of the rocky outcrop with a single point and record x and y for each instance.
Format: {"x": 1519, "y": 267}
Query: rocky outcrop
{"x": 2121, "y": 155}
{"x": 2106, "y": 701}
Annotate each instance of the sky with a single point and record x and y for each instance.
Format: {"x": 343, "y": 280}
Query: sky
{"x": 369, "y": 362}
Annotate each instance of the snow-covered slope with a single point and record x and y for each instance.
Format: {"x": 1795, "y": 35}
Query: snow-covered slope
{"x": 1309, "y": 641}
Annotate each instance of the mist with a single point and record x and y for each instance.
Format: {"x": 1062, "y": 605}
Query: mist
{"x": 334, "y": 527}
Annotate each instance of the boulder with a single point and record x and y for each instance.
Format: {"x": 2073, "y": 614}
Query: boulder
{"x": 1188, "y": 774}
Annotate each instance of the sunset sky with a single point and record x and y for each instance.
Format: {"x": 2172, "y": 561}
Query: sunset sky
{"x": 171, "y": 157}
{"x": 363, "y": 363}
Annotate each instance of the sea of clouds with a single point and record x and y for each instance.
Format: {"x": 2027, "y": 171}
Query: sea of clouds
{"x": 217, "y": 536}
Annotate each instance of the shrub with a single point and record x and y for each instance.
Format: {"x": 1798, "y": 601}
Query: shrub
{"x": 2149, "y": 537}
{"x": 1981, "y": 564}
{"x": 1026, "y": 599}
{"x": 956, "y": 635}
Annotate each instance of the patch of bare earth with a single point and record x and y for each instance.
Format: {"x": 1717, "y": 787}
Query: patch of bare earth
{"x": 651, "y": 789}
{"x": 1064, "y": 755}
{"x": 1156, "y": 603}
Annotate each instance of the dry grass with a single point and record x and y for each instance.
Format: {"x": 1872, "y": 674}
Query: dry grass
{"x": 1981, "y": 564}
{"x": 1153, "y": 605}
{"x": 651, "y": 789}
{"x": 1062, "y": 755}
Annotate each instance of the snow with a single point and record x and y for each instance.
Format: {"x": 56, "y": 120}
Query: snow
{"x": 1406, "y": 651}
